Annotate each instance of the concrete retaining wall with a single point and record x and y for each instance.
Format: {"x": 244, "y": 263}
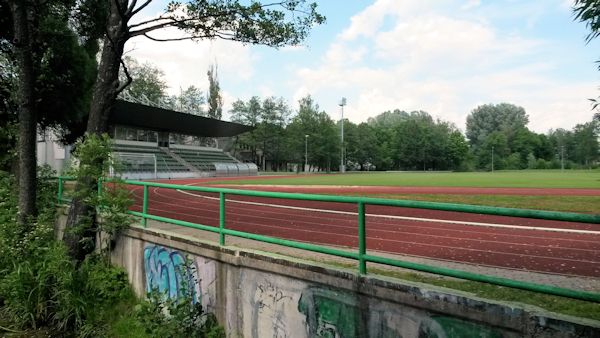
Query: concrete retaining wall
{"x": 262, "y": 295}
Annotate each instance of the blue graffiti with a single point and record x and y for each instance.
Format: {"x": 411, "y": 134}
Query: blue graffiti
{"x": 166, "y": 271}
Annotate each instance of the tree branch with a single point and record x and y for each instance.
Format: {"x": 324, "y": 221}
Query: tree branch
{"x": 142, "y": 6}
{"x": 220, "y": 35}
{"x": 129, "y": 78}
{"x": 161, "y": 17}
{"x": 130, "y": 8}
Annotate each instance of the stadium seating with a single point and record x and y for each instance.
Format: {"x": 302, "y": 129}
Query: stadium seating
{"x": 164, "y": 162}
{"x": 136, "y": 160}
{"x": 203, "y": 160}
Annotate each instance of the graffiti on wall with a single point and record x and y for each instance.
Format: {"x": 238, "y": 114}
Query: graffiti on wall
{"x": 334, "y": 314}
{"x": 275, "y": 306}
{"x": 175, "y": 274}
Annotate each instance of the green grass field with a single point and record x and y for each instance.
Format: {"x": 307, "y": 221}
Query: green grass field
{"x": 498, "y": 179}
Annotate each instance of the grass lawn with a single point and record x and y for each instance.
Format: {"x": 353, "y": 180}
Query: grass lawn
{"x": 497, "y": 179}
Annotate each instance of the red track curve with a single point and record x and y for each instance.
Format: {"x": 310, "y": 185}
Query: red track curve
{"x": 524, "y": 249}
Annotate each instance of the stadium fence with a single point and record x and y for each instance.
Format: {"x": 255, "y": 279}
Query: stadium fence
{"x": 361, "y": 255}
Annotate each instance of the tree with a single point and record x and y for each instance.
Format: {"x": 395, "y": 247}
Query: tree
{"x": 249, "y": 114}
{"x": 457, "y": 150}
{"x": 191, "y": 101}
{"x": 272, "y": 24}
{"x": 323, "y": 149}
{"x": 488, "y": 118}
{"x": 52, "y": 76}
{"x": 585, "y": 137}
{"x": 214, "y": 99}
{"x": 495, "y": 149}
{"x": 365, "y": 150}
{"x": 22, "y": 16}
{"x": 147, "y": 82}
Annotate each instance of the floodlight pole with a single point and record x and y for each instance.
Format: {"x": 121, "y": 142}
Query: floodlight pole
{"x": 342, "y": 164}
{"x": 305, "y": 153}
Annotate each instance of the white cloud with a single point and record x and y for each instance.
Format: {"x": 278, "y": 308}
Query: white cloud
{"x": 424, "y": 58}
{"x": 185, "y": 63}
{"x": 470, "y": 4}
{"x": 368, "y": 22}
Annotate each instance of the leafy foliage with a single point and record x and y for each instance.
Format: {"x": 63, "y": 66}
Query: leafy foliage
{"x": 110, "y": 200}
{"x": 165, "y": 317}
{"x": 40, "y": 286}
{"x": 215, "y": 101}
{"x": 148, "y": 84}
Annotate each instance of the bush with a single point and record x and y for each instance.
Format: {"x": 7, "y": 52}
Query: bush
{"x": 42, "y": 287}
{"x": 165, "y": 317}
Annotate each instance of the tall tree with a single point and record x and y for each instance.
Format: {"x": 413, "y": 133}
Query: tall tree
{"x": 214, "y": 99}
{"x": 488, "y": 118}
{"x": 272, "y": 24}
{"x": 49, "y": 71}
{"x": 23, "y": 16}
{"x": 585, "y": 137}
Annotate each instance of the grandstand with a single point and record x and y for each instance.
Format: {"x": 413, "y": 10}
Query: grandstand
{"x": 153, "y": 142}
{"x": 157, "y": 143}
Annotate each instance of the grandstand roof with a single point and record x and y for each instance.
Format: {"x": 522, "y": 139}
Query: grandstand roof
{"x": 159, "y": 119}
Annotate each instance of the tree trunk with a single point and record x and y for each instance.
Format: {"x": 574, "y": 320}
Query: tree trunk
{"x": 27, "y": 114}
{"x": 82, "y": 216}
{"x": 107, "y": 80}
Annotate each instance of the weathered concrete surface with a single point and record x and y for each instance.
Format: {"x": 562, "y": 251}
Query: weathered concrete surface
{"x": 255, "y": 294}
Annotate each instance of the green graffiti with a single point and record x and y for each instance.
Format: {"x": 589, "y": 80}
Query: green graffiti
{"x": 449, "y": 327}
{"x": 334, "y": 314}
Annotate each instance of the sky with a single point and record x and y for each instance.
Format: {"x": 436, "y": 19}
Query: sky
{"x": 445, "y": 57}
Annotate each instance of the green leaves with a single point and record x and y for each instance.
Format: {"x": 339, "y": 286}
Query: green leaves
{"x": 272, "y": 24}
{"x": 588, "y": 11}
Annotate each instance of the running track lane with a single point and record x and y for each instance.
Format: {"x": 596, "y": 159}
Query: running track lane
{"x": 524, "y": 249}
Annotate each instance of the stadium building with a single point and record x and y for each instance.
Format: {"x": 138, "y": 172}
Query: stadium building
{"x": 152, "y": 142}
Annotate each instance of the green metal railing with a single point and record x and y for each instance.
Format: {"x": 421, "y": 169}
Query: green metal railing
{"x": 361, "y": 255}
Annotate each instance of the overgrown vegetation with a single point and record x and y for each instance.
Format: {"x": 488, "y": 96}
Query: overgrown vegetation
{"x": 44, "y": 292}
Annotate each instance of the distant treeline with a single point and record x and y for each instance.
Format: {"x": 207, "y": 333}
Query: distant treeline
{"x": 393, "y": 140}
{"x": 400, "y": 140}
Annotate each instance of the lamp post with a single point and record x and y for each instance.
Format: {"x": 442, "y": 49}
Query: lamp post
{"x": 562, "y": 158}
{"x": 305, "y": 153}
{"x": 492, "y": 158}
{"x": 342, "y": 164}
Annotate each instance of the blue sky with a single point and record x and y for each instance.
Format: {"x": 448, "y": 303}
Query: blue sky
{"x": 442, "y": 56}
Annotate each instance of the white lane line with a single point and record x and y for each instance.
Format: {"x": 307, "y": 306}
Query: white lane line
{"x": 382, "y": 226}
{"x": 409, "y": 243}
{"x": 493, "y": 225}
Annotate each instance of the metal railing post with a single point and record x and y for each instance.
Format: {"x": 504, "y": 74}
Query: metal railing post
{"x": 362, "y": 239}
{"x": 221, "y": 218}
{"x": 145, "y": 206}
{"x": 60, "y": 189}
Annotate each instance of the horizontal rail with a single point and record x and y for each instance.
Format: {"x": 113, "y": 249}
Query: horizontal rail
{"x": 465, "y": 208}
{"x": 255, "y": 237}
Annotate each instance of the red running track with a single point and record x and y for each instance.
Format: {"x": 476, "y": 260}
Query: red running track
{"x": 513, "y": 247}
